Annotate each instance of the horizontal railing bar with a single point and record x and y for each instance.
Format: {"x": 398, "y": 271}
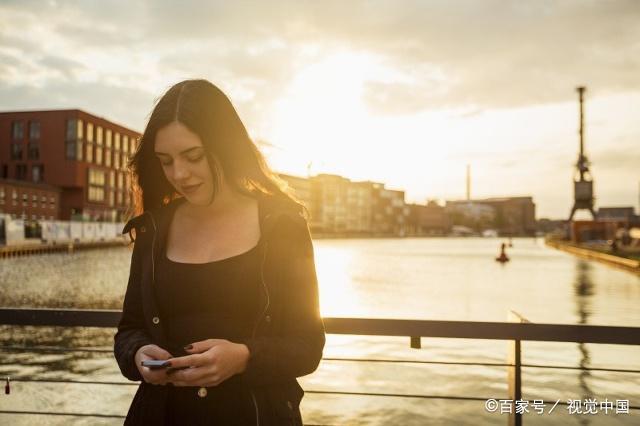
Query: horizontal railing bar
{"x": 55, "y": 349}
{"x": 391, "y": 361}
{"x": 567, "y": 367}
{"x": 115, "y": 416}
{"x": 369, "y": 327}
{"x": 70, "y": 381}
{"x": 483, "y": 364}
{"x": 52, "y": 413}
{"x": 485, "y": 330}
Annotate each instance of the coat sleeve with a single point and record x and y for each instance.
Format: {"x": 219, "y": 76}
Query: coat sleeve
{"x": 131, "y": 334}
{"x": 297, "y": 350}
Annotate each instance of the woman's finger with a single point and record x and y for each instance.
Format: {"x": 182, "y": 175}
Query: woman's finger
{"x": 195, "y": 360}
{"x": 203, "y": 345}
{"x": 156, "y": 352}
{"x": 191, "y": 374}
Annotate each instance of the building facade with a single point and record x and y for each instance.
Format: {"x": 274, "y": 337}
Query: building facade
{"x": 84, "y": 155}
{"x": 507, "y": 215}
{"x": 28, "y": 200}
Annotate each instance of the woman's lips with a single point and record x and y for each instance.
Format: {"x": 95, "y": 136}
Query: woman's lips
{"x": 190, "y": 189}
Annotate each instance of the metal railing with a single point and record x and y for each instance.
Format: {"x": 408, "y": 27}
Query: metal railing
{"x": 515, "y": 331}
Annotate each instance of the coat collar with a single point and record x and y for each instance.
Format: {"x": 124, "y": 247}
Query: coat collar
{"x": 271, "y": 210}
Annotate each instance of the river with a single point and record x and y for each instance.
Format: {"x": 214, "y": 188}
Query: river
{"x": 435, "y": 278}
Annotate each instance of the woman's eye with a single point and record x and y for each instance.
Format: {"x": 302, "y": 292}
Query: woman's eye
{"x": 165, "y": 163}
{"x": 196, "y": 158}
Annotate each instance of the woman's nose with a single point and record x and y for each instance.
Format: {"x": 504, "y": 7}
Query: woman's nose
{"x": 180, "y": 171}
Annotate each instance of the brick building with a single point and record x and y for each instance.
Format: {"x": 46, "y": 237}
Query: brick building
{"x": 27, "y": 200}
{"x": 83, "y": 155}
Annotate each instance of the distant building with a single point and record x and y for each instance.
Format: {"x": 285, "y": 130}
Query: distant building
{"x": 84, "y": 155}
{"x": 471, "y": 214}
{"x": 430, "y": 219}
{"x": 620, "y": 214}
{"x": 514, "y": 215}
{"x": 507, "y": 215}
{"x": 390, "y": 214}
{"x": 329, "y": 203}
{"x": 359, "y": 207}
{"x": 28, "y": 200}
{"x": 301, "y": 188}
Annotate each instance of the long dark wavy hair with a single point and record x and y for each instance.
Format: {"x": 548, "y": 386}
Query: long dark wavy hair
{"x": 206, "y": 111}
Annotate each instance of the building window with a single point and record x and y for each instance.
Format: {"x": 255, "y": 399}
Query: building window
{"x": 17, "y": 130}
{"x": 1, "y": 195}
{"x": 89, "y": 132}
{"x": 34, "y": 130}
{"x": 25, "y": 199}
{"x": 21, "y": 171}
{"x": 111, "y": 198}
{"x": 73, "y": 149}
{"x": 79, "y": 151}
{"x": 96, "y": 194}
{"x": 34, "y": 200}
{"x": 119, "y": 198}
{"x": 99, "y": 135}
{"x": 96, "y": 180}
{"x": 37, "y": 173}
{"x": 43, "y": 202}
{"x": 70, "y": 152}
{"x": 112, "y": 179}
{"x": 108, "y": 138}
{"x": 16, "y": 151}
{"x": 33, "y": 150}
{"x": 125, "y": 144}
{"x": 89, "y": 152}
{"x": 72, "y": 130}
{"x": 107, "y": 157}
{"x": 98, "y": 155}
{"x": 124, "y": 161}
{"x": 116, "y": 160}
{"x": 116, "y": 141}
{"x": 120, "y": 180}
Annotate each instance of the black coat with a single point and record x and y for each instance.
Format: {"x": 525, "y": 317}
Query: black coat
{"x": 288, "y": 336}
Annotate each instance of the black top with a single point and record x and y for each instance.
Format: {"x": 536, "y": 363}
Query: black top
{"x": 214, "y": 300}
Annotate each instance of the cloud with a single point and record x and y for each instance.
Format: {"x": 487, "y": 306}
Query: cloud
{"x": 449, "y": 54}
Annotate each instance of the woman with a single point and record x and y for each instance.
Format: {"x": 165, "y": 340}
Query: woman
{"x": 222, "y": 281}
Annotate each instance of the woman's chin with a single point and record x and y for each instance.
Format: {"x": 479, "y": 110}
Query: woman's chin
{"x": 198, "y": 200}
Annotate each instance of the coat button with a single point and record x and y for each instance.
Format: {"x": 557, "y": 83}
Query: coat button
{"x": 202, "y": 392}
{"x": 143, "y": 229}
{"x": 155, "y": 320}
{"x": 267, "y": 318}
{"x": 290, "y": 405}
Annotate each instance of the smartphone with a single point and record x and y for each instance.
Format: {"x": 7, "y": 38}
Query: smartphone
{"x": 155, "y": 364}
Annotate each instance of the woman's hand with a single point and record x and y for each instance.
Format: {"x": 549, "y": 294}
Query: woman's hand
{"x": 147, "y": 352}
{"x": 211, "y": 362}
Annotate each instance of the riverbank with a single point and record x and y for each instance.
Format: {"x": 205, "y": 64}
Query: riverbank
{"x": 629, "y": 264}
{"x": 45, "y": 248}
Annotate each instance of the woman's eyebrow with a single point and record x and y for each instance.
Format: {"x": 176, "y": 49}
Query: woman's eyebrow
{"x": 186, "y": 151}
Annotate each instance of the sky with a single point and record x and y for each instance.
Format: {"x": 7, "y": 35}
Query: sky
{"x": 406, "y": 93}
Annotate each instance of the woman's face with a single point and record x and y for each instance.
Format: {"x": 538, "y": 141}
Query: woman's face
{"x": 184, "y": 162}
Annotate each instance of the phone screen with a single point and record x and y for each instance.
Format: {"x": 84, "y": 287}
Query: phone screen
{"x": 155, "y": 364}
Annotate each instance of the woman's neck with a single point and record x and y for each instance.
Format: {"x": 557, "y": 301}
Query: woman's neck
{"x": 225, "y": 202}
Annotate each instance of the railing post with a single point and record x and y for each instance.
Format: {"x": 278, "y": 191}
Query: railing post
{"x": 514, "y": 373}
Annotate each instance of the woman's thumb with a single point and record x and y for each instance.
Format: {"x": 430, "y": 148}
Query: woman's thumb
{"x": 158, "y": 353}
